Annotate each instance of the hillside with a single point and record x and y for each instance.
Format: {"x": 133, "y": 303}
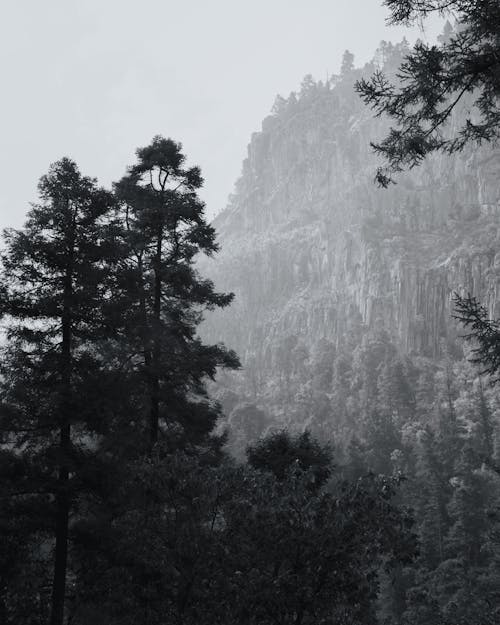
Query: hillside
{"x": 320, "y": 259}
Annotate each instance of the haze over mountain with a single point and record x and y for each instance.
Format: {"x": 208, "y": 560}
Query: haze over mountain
{"x": 348, "y": 472}
{"x": 321, "y": 260}
{"x": 93, "y": 80}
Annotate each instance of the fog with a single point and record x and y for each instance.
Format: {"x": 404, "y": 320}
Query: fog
{"x": 95, "y": 80}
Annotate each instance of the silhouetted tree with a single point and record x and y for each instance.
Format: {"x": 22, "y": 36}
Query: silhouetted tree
{"x": 163, "y": 295}
{"x": 54, "y": 283}
{"x": 146, "y": 541}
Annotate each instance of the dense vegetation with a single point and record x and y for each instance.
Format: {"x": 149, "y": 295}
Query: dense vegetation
{"x": 435, "y": 422}
{"x": 130, "y": 496}
{"x": 390, "y": 397}
{"x": 119, "y": 502}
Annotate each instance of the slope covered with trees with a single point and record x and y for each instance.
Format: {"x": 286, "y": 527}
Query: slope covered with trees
{"x": 343, "y": 320}
{"x": 318, "y": 257}
{"x": 349, "y": 472}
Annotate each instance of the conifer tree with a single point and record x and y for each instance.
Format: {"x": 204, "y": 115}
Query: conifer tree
{"x": 431, "y": 499}
{"x": 159, "y": 301}
{"x": 482, "y": 331}
{"x": 395, "y": 393}
{"x": 54, "y": 283}
{"x": 486, "y": 429}
{"x": 434, "y": 80}
{"x": 382, "y": 438}
{"x": 342, "y": 373}
{"x": 163, "y": 296}
{"x": 347, "y": 64}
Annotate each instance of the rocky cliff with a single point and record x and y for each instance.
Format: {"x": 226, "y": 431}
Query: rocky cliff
{"x": 315, "y": 252}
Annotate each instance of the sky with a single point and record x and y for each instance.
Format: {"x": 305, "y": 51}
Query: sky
{"x": 95, "y": 79}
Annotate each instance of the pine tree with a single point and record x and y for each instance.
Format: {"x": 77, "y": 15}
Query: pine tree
{"x": 448, "y": 426}
{"x": 486, "y": 428}
{"x": 163, "y": 296}
{"x": 342, "y": 373}
{"x": 382, "y": 438}
{"x": 468, "y": 594}
{"x": 467, "y": 510}
{"x": 54, "y": 283}
{"x": 483, "y": 332}
{"x": 431, "y": 500}
{"x": 159, "y": 300}
{"x": 425, "y": 390}
{"x": 356, "y": 465}
{"x": 347, "y": 64}
{"x": 395, "y": 394}
{"x": 434, "y": 80}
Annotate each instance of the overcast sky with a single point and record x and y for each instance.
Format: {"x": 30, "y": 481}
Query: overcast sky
{"x": 95, "y": 79}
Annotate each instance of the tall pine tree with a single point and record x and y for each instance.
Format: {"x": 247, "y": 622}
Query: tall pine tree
{"x": 54, "y": 283}
{"x": 163, "y": 295}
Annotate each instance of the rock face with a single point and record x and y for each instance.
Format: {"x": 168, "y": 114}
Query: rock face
{"x": 313, "y": 249}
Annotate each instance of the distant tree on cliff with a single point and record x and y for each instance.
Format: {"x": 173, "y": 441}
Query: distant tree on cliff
{"x": 347, "y": 64}
{"x": 434, "y": 79}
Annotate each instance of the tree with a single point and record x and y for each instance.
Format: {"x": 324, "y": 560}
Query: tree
{"x": 483, "y": 332}
{"x": 246, "y": 423}
{"x": 432, "y": 84}
{"x": 430, "y": 498}
{"x": 159, "y": 299}
{"x": 201, "y": 543}
{"x": 303, "y": 555}
{"x": 486, "y": 434}
{"x": 157, "y": 558}
{"x": 347, "y": 64}
{"x": 54, "y": 282}
{"x": 280, "y": 452}
{"x": 434, "y": 79}
{"x": 163, "y": 297}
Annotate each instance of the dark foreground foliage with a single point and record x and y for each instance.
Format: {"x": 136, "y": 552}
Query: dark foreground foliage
{"x": 204, "y": 543}
{"x": 101, "y": 301}
{"x": 118, "y": 502}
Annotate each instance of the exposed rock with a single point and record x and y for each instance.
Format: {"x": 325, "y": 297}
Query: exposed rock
{"x": 309, "y": 243}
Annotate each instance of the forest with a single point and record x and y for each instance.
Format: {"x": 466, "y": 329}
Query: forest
{"x": 317, "y": 442}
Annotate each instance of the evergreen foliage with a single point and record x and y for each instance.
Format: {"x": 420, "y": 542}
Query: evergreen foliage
{"x": 119, "y": 501}
{"x": 442, "y": 438}
{"x": 101, "y": 301}
{"x": 433, "y": 80}
{"x": 55, "y": 280}
{"x": 482, "y": 331}
{"x": 162, "y": 295}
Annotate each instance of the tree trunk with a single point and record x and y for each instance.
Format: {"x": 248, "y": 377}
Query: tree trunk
{"x": 145, "y": 333}
{"x": 155, "y": 365}
{"x": 62, "y": 526}
{"x": 63, "y": 495}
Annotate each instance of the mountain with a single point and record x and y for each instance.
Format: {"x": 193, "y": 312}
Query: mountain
{"x": 321, "y": 261}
